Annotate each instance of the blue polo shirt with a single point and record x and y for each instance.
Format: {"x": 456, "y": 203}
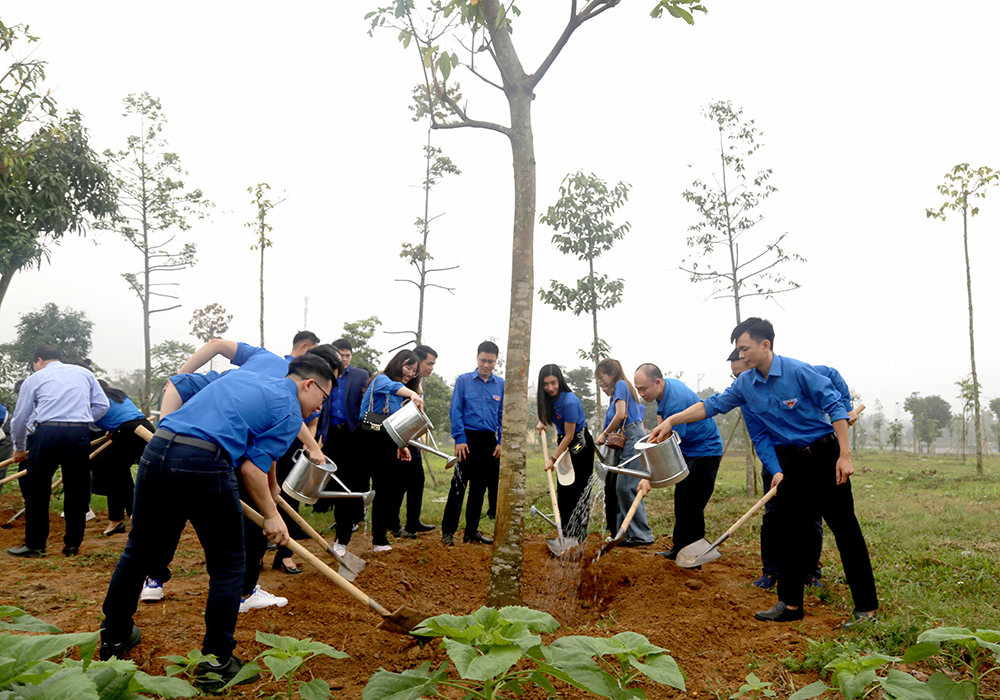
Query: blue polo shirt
{"x": 118, "y": 413}
{"x": 567, "y": 408}
{"x": 793, "y": 402}
{"x": 249, "y": 415}
{"x": 476, "y": 405}
{"x": 249, "y": 357}
{"x": 380, "y": 389}
{"x": 634, "y": 410}
{"x": 336, "y": 405}
{"x": 699, "y": 439}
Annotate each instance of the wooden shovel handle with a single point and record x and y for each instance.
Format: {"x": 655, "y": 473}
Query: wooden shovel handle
{"x": 628, "y": 516}
{"x": 21, "y": 473}
{"x": 552, "y": 485}
{"x": 12, "y": 476}
{"x": 322, "y": 568}
{"x": 304, "y": 524}
{"x": 749, "y": 514}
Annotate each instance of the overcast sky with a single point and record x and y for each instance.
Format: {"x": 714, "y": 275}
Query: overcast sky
{"x": 863, "y": 109}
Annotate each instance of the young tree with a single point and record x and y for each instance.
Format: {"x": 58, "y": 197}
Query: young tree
{"x": 967, "y": 395}
{"x": 436, "y": 166}
{"x": 437, "y": 395}
{"x": 151, "y": 205}
{"x": 262, "y": 229}
{"x": 896, "y": 434}
{"x": 168, "y": 357}
{"x": 209, "y": 323}
{"x": 485, "y": 29}
{"x": 931, "y": 415}
{"x": 50, "y": 179}
{"x": 583, "y": 227}
{"x": 961, "y": 184}
{"x": 878, "y": 424}
{"x": 360, "y": 333}
{"x": 580, "y": 380}
{"x": 67, "y": 329}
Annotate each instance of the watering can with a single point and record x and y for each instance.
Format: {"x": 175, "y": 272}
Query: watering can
{"x": 663, "y": 462}
{"x": 409, "y": 423}
{"x": 307, "y": 480}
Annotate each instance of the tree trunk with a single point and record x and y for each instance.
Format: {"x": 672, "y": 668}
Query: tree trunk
{"x": 596, "y": 359}
{"x": 506, "y": 567}
{"x": 262, "y": 279}
{"x": 972, "y": 339}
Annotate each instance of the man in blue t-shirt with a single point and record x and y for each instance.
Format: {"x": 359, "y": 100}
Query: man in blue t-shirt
{"x": 242, "y": 422}
{"x": 797, "y": 404}
{"x": 701, "y": 446}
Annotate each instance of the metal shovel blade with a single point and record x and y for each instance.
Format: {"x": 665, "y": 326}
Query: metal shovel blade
{"x": 697, "y": 553}
{"x": 560, "y": 547}
{"x": 402, "y": 620}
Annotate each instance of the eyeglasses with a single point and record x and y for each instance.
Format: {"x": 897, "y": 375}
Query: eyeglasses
{"x": 326, "y": 396}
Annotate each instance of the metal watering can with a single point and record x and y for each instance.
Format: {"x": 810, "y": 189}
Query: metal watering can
{"x": 663, "y": 462}
{"x": 409, "y": 423}
{"x": 307, "y": 480}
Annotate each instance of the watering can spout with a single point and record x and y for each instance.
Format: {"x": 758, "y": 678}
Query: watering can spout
{"x": 627, "y": 472}
{"x": 663, "y": 463}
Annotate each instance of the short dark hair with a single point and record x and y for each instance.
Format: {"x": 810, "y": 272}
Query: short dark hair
{"x": 488, "y": 346}
{"x": 47, "y": 352}
{"x": 303, "y": 336}
{"x": 311, "y": 367}
{"x": 116, "y": 395}
{"x": 342, "y": 344}
{"x": 330, "y": 354}
{"x": 757, "y": 328}
{"x": 733, "y": 356}
{"x": 424, "y": 350}
{"x": 651, "y": 370}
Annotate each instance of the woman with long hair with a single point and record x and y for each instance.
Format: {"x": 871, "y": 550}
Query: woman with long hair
{"x": 385, "y": 395}
{"x": 625, "y": 415}
{"x": 112, "y": 468}
{"x": 560, "y": 407}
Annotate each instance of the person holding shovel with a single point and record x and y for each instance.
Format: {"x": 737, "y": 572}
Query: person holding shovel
{"x": 792, "y": 400}
{"x": 239, "y": 424}
{"x": 701, "y": 445}
{"x": 560, "y": 407}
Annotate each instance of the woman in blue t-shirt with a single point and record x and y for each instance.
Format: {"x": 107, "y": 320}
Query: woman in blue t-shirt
{"x": 385, "y": 395}
{"x": 560, "y": 407}
{"x": 112, "y": 468}
{"x": 625, "y": 414}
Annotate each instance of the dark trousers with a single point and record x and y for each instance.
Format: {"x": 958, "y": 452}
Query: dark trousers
{"x": 770, "y": 536}
{"x": 611, "y": 501}
{"x": 51, "y": 447}
{"x": 809, "y": 490}
{"x": 690, "y": 498}
{"x": 476, "y": 472}
{"x": 381, "y": 452}
{"x": 177, "y": 484}
{"x": 575, "y": 514}
{"x": 410, "y": 487}
{"x": 341, "y": 446}
{"x": 112, "y": 468}
{"x": 254, "y": 542}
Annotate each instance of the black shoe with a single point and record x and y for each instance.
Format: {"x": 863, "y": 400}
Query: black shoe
{"x": 448, "y": 538}
{"x": 669, "y": 554}
{"x": 860, "y": 620}
{"x": 26, "y": 552}
{"x": 116, "y": 530}
{"x": 407, "y": 534}
{"x": 70, "y": 551}
{"x": 421, "y": 527}
{"x": 780, "y": 613}
{"x": 397, "y": 533}
{"x": 478, "y": 538}
{"x": 119, "y": 650}
{"x": 635, "y": 542}
{"x": 227, "y": 671}
{"x": 279, "y": 565}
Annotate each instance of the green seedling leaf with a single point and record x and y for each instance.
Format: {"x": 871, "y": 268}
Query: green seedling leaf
{"x": 903, "y": 686}
{"x": 408, "y": 685}
{"x": 23, "y": 622}
{"x": 316, "y": 689}
{"x": 67, "y": 684}
{"x": 110, "y": 685}
{"x": 576, "y": 668}
{"x": 945, "y": 634}
{"x": 853, "y": 685}
{"x": 277, "y": 641}
{"x": 635, "y": 644}
{"x": 662, "y": 669}
{"x": 23, "y": 652}
{"x": 944, "y": 688}
{"x": 492, "y": 664}
{"x": 813, "y": 690}
{"x": 464, "y": 627}
{"x": 281, "y": 667}
{"x": 534, "y": 620}
{"x": 919, "y": 652}
{"x": 246, "y": 672}
{"x": 487, "y": 617}
{"x": 163, "y": 686}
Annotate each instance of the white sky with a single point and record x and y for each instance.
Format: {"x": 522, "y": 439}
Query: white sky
{"x": 863, "y": 109}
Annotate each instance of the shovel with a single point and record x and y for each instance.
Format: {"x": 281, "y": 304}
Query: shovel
{"x": 563, "y": 544}
{"x": 701, "y": 552}
{"x": 620, "y": 535}
{"x": 350, "y": 564}
{"x": 402, "y": 621}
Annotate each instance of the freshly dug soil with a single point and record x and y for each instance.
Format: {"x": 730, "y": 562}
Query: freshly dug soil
{"x": 705, "y": 618}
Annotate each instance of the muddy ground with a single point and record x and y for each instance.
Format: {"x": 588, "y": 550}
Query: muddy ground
{"x": 703, "y": 617}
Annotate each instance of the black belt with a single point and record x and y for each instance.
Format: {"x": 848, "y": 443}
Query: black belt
{"x": 63, "y": 424}
{"x": 829, "y": 437}
{"x": 338, "y": 426}
{"x": 186, "y": 440}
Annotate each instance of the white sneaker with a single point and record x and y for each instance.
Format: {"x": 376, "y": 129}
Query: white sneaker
{"x": 382, "y": 548}
{"x": 340, "y": 549}
{"x": 152, "y": 591}
{"x": 260, "y": 598}
{"x": 90, "y": 515}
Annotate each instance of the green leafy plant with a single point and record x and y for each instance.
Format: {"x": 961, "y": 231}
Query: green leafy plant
{"x": 754, "y": 688}
{"x": 187, "y": 666}
{"x": 284, "y": 658}
{"x": 27, "y": 668}
{"x": 487, "y": 645}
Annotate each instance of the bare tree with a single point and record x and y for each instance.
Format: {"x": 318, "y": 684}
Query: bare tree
{"x": 262, "y": 229}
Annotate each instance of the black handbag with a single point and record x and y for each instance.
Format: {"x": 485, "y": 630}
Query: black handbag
{"x": 372, "y": 420}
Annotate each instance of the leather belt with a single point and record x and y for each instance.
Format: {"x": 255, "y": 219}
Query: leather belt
{"x": 186, "y": 440}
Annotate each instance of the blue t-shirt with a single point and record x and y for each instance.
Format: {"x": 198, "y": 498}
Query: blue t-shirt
{"x": 117, "y": 414}
{"x": 793, "y": 402}
{"x": 634, "y": 410}
{"x": 381, "y": 388}
{"x": 699, "y": 439}
{"x": 249, "y": 415}
{"x": 567, "y": 408}
{"x": 261, "y": 361}
{"x": 476, "y": 405}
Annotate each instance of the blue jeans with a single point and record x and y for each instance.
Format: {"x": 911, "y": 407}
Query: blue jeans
{"x": 175, "y": 484}
{"x": 627, "y": 486}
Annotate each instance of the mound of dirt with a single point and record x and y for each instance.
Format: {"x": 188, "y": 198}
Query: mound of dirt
{"x": 704, "y": 617}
